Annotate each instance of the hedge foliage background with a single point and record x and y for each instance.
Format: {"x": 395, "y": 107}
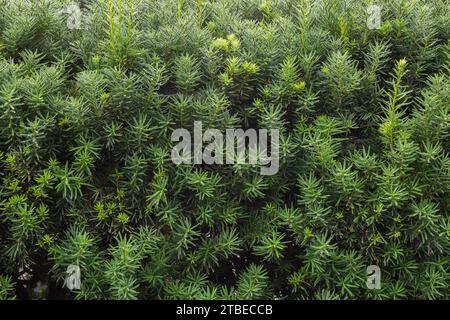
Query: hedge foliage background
{"x": 86, "y": 177}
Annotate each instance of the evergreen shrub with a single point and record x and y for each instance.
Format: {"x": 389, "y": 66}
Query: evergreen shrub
{"x": 87, "y": 108}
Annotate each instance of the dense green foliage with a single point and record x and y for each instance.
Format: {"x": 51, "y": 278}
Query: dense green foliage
{"x": 86, "y": 177}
